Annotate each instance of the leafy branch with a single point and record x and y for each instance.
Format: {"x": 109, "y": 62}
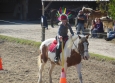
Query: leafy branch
{"x": 108, "y": 7}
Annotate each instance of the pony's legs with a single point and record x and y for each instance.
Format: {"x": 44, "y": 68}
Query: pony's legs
{"x": 50, "y": 72}
{"x": 41, "y": 67}
{"x": 65, "y": 68}
{"x": 78, "y": 67}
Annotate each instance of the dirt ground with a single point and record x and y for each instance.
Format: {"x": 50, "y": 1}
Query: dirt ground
{"x": 20, "y": 66}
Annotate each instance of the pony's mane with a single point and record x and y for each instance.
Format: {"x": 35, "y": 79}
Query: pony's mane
{"x": 69, "y": 44}
{"x": 71, "y": 39}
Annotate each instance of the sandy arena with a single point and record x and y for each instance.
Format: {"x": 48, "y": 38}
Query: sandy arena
{"x": 20, "y": 61}
{"x": 20, "y": 66}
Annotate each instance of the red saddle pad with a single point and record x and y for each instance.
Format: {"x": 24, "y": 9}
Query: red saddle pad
{"x": 52, "y": 47}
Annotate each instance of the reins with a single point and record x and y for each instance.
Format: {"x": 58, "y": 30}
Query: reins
{"x": 78, "y": 49}
{"x": 74, "y": 43}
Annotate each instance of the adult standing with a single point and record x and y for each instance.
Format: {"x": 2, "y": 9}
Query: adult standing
{"x": 53, "y": 16}
{"x": 80, "y": 22}
{"x": 18, "y": 10}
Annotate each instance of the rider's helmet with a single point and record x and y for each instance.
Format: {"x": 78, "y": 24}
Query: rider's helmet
{"x": 63, "y": 17}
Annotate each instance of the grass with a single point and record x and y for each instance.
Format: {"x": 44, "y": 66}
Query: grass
{"x": 19, "y": 40}
{"x": 37, "y": 44}
{"x": 102, "y": 58}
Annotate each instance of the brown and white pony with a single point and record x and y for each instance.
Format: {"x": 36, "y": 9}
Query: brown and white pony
{"x": 76, "y": 48}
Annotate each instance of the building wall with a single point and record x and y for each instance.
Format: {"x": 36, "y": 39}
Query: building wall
{"x": 7, "y": 8}
{"x": 34, "y": 9}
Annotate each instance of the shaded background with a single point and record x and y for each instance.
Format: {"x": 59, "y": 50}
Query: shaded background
{"x": 7, "y": 8}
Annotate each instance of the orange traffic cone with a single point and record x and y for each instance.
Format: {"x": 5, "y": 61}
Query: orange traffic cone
{"x": 1, "y": 64}
{"x": 63, "y": 77}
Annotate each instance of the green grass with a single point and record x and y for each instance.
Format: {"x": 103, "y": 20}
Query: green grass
{"x": 102, "y": 58}
{"x": 37, "y": 44}
{"x": 19, "y": 40}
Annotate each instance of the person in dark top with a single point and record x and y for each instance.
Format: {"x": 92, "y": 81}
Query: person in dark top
{"x": 80, "y": 22}
{"x": 62, "y": 35}
{"x": 99, "y": 26}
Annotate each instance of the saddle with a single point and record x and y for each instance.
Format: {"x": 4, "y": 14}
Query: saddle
{"x": 53, "y": 45}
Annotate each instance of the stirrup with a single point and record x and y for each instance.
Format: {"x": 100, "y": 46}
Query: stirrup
{"x": 56, "y": 60}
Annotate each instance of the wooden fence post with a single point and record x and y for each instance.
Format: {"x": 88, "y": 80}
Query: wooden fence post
{"x": 43, "y": 28}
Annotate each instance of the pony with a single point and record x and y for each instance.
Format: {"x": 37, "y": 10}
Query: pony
{"x": 75, "y": 49}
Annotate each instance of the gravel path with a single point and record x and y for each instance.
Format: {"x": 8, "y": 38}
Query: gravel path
{"x": 33, "y": 32}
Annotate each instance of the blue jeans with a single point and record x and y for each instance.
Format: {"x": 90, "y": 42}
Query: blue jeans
{"x": 111, "y": 35}
{"x": 80, "y": 26}
{"x": 94, "y": 33}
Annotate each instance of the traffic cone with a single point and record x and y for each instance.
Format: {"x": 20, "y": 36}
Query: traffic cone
{"x": 63, "y": 77}
{"x": 1, "y": 64}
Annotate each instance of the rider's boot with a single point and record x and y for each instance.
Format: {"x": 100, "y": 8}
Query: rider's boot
{"x": 57, "y": 55}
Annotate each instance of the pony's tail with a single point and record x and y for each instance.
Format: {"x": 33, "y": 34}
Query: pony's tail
{"x": 39, "y": 59}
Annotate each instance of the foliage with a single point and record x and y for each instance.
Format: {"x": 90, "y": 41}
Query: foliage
{"x": 111, "y": 9}
{"x": 107, "y": 6}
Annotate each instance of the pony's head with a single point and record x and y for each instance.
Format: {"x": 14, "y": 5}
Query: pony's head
{"x": 80, "y": 44}
{"x": 83, "y": 47}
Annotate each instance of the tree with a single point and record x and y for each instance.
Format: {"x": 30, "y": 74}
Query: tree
{"x": 111, "y": 8}
{"x": 107, "y": 6}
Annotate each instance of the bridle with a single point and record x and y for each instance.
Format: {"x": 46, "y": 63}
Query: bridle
{"x": 79, "y": 50}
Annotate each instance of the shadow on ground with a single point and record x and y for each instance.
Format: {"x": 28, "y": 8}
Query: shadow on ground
{"x": 18, "y": 22}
